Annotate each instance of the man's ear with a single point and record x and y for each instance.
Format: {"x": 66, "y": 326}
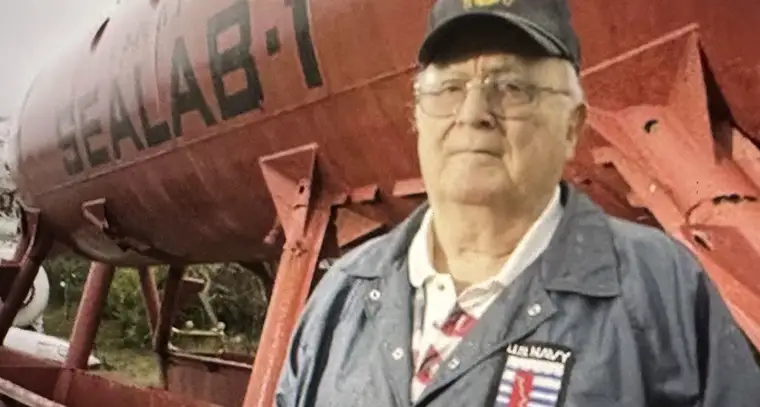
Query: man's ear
{"x": 575, "y": 125}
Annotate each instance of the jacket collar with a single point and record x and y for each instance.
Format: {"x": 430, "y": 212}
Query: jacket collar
{"x": 581, "y": 256}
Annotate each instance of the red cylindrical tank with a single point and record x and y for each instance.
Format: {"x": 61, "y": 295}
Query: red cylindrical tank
{"x": 165, "y": 111}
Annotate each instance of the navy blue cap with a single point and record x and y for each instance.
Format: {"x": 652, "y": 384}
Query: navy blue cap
{"x": 546, "y": 21}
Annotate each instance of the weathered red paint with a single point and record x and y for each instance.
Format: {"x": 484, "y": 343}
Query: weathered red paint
{"x": 359, "y": 115}
{"x": 671, "y": 141}
{"x": 84, "y": 389}
{"x": 87, "y": 321}
{"x": 674, "y": 146}
{"x": 22, "y": 395}
{"x": 219, "y": 379}
{"x": 305, "y": 216}
{"x": 23, "y": 270}
{"x": 211, "y": 173}
{"x": 150, "y": 296}
{"x": 169, "y": 308}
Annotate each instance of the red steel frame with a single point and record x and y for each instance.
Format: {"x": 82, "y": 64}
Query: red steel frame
{"x": 710, "y": 205}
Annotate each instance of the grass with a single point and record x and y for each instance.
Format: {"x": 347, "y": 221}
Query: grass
{"x": 132, "y": 366}
{"x": 128, "y": 365}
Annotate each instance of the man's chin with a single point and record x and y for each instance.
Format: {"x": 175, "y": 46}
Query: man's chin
{"x": 476, "y": 193}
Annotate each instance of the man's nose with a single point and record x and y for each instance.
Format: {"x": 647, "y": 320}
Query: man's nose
{"x": 475, "y": 110}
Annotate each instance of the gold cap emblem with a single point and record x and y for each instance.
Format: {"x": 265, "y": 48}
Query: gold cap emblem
{"x": 468, "y": 4}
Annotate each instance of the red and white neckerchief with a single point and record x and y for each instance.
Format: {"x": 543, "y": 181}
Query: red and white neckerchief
{"x": 436, "y": 334}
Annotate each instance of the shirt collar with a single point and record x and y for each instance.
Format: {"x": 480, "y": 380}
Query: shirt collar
{"x": 420, "y": 260}
{"x": 530, "y": 246}
{"x": 534, "y": 242}
{"x": 582, "y": 256}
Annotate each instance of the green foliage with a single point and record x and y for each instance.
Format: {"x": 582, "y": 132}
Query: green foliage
{"x": 237, "y": 296}
{"x": 237, "y": 299}
{"x": 67, "y": 276}
{"x": 125, "y": 305}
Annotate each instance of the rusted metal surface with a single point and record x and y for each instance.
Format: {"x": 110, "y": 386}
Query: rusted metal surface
{"x": 365, "y": 194}
{"x": 39, "y": 243}
{"x": 169, "y": 307}
{"x": 89, "y": 390}
{"x": 219, "y": 379}
{"x": 86, "y": 324}
{"x": 352, "y": 226}
{"x": 408, "y": 187}
{"x": 33, "y": 374}
{"x": 9, "y": 268}
{"x": 87, "y": 321}
{"x": 666, "y": 145}
{"x": 25, "y": 396}
{"x": 356, "y": 109}
{"x": 304, "y": 208}
{"x": 141, "y": 146}
{"x": 209, "y": 173}
{"x": 149, "y": 292}
{"x": 29, "y": 374}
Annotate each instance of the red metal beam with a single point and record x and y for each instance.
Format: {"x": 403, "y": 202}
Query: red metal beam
{"x": 22, "y": 395}
{"x": 304, "y": 211}
{"x": 40, "y": 242}
{"x": 150, "y": 296}
{"x": 166, "y": 317}
{"x": 676, "y": 149}
{"x": 90, "y": 310}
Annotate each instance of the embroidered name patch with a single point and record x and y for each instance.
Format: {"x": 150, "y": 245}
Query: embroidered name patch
{"x": 534, "y": 375}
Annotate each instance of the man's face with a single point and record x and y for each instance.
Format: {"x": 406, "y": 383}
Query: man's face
{"x": 501, "y": 141}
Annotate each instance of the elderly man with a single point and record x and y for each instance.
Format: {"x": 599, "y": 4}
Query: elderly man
{"x": 511, "y": 288}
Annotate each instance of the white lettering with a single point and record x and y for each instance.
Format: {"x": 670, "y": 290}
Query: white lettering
{"x": 539, "y": 352}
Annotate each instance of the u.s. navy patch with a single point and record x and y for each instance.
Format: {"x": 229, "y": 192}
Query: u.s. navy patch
{"x": 535, "y": 375}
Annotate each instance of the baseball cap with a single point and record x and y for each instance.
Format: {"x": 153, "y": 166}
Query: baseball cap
{"x": 545, "y": 21}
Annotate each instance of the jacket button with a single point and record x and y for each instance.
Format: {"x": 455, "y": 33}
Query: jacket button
{"x": 534, "y": 310}
{"x": 374, "y": 295}
{"x": 454, "y": 363}
{"x": 397, "y": 354}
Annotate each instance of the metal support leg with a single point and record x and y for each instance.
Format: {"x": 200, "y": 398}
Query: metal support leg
{"x": 291, "y": 288}
{"x": 86, "y": 325}
{"x": 89, "y": 313}
{"x": 40, "y": 242}
{"x": 165, "y": 319}
{"x": 675, "y": 149}
{"x": 305, "y": 213}
{"x": 150, "y": 296}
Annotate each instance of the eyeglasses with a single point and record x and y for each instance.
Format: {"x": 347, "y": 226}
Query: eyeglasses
{"x": 503, "y": 95}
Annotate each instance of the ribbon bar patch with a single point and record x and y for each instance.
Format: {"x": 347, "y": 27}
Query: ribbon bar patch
{"x": 534, "y": 375}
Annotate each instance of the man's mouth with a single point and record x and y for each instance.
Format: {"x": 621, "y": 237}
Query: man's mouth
{"x": 478, "y": 151}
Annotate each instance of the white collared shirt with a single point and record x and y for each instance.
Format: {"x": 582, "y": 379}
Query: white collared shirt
{"x": 437, "y": 331}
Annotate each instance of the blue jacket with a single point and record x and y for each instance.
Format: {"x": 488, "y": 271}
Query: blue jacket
{"x": 611, "y": 314}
